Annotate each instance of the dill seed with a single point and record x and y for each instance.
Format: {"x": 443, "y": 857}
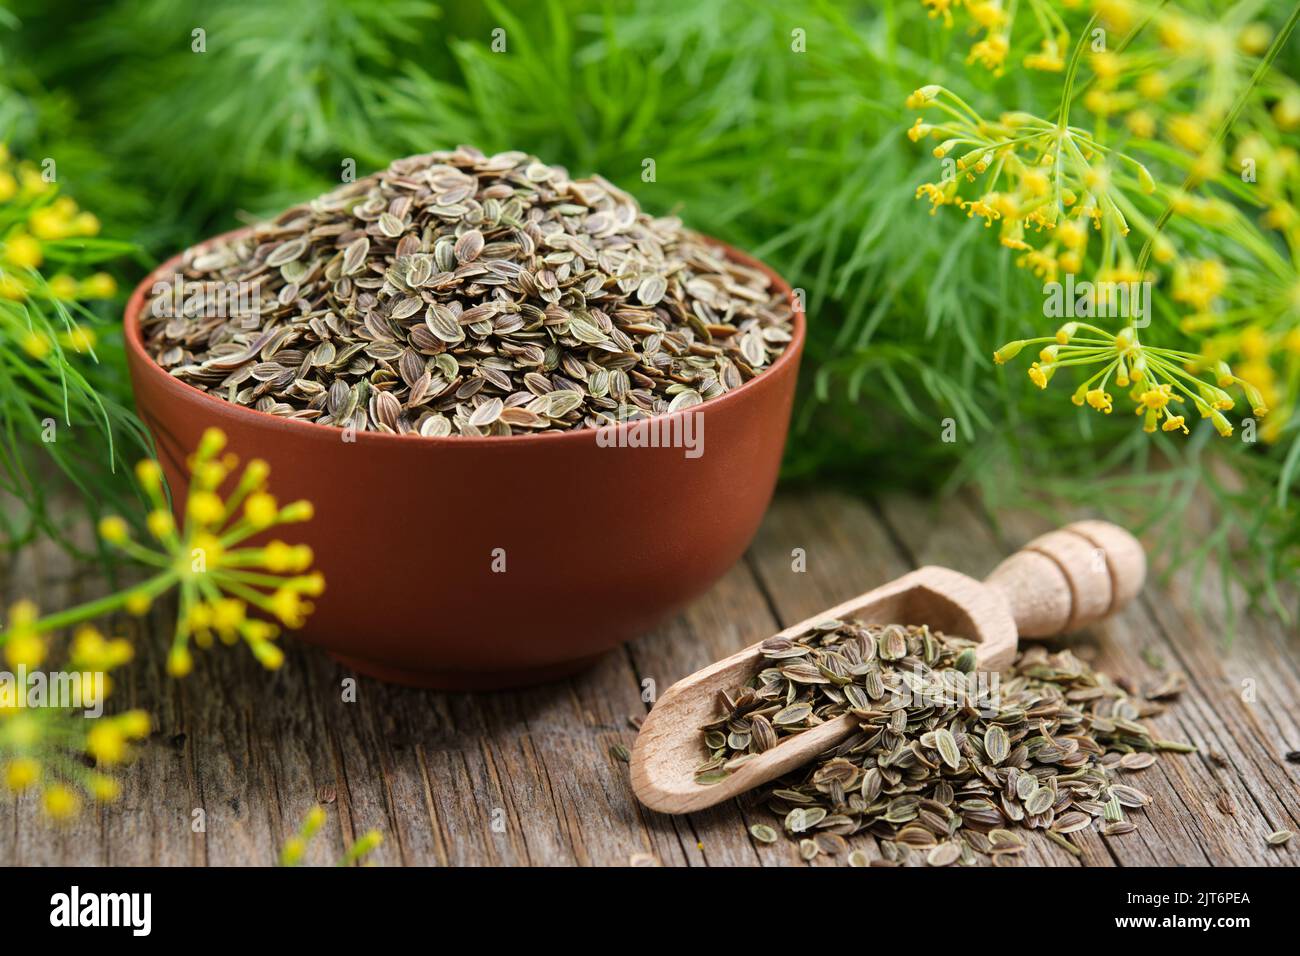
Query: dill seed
{"x": 456, "y": 293}
{"x": 947, "y": 766}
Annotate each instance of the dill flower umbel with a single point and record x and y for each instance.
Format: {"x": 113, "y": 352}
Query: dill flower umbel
{"x": 1216, "y": 228}
{"x": 220, "y": 578}
{"x": 223, "y": 584}
{"x": 48, "y": 730}
{"x": 1158, "y": 379}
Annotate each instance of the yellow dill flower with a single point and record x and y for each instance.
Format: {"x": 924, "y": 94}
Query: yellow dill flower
{"x": 987, "y": 13}
{"x": 1198, "y": 282}
{"x": 179, "y": 661}
{"x": 939, "y": 8}
{"x": 21, "y": 773}
{"x": 1176, "y": 33}
{"x": 137, "y": 603}
{"x": 1099, "y": 399}
{"x": 160, "y": 523}
{"x": 922, "y": 96}
{"x": 289, "y": 607}
{"x": 991, "y": 53}
{"x": 1286, "y": 111}
{"x": 23, "y": 251}
{"x": 261, "y": 510}
{"x": 36, "y": 344}
{"x": 49, "y": 222}
{"x": 25, "y": 650}
{"x": 1141, "y": 123}
{"x": 1188, "y": 131}
{"x": 206, "y": 507}
{"x": 1048, "y": 59}
{"x": 106, "y": 742}
{"x": 101, "y": 285}
{"x": 104, "y": 788}
{"x": 60, "y": 802}
{"x": 79, "y": 338}
{"x": 938, "y": 195}
{"x": 985, "y": 207}
{"x": 63, "y": 286}
{"x": 113, "y": 529}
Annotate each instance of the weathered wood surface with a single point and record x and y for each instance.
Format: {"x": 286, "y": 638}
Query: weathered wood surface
{"x": 526, "y": 778}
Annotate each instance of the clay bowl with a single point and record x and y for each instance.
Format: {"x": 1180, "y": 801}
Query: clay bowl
{"x": 600, "y": 541}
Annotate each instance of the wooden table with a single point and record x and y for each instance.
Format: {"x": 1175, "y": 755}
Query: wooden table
{"x": 527, "y": 778}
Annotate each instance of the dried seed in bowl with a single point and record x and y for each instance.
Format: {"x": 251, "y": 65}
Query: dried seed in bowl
{"x": 456, "y": 293}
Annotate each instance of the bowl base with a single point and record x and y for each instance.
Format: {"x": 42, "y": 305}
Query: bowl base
{"x": 466, "y": 680}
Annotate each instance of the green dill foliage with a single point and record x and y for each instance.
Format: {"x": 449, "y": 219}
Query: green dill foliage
{"x": 776, "y": 126}
{"x": 64, "y": 422}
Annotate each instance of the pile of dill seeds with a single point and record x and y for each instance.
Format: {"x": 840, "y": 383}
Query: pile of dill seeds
{"x": 948, "y": 765}
{"x": 456, "y": 293}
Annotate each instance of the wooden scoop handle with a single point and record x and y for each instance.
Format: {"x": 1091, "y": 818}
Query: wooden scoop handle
{"x": 1068, "y": 578}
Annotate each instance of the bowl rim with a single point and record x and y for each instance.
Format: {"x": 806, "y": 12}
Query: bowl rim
{"x": 134, "y": 340}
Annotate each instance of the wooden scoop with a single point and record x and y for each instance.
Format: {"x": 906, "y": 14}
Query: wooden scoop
{"x": 1057, "y": 583}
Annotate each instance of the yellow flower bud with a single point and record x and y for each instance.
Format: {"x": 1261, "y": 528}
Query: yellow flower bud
{"x": 179, "y": 661}
{"x": 1008, "y": 352}
{"x": 137, "y": 603}
{"x": 297, "y": 511}
{"x": 60, "y": 803}
{"x": 21, "y": 773}
{"x": 227, "y": 614}
{"x": 36, "y": 344}
{"x": 104, "y": 788}
{"x": 135, "y": 723}
{"x": 47, "y": 223}
{"x": 101, "y": 285}
{"x": 63, "y": 286}
{"x": 149, "y": 474}
{"x": 213, "y": 440}
{"x": 289, "y": 607}
{"x": 106, "y": 743}
{"x": 23, "y": 251}
{"x": 268, "y": 655}
{"x": 85, "y": 224}
{"x": 293, "y": 851}
{"x": 256, "y": 473}
{"x": 160, "y": 523}
{"x": 25, "y": 649}
{"x": 206, "y": 507}
{"x": 113, "y": 529}
{"x": 261, "y": 509}
{"x": 79, "y": 338}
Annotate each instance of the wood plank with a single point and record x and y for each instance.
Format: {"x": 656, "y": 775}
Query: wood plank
{"x": 434, "y": 772}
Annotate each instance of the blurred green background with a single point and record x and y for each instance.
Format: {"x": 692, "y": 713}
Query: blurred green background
{"x": 799, "y": 157}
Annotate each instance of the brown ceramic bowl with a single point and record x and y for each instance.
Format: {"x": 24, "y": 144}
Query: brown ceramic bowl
{"x": 600, "y": 543}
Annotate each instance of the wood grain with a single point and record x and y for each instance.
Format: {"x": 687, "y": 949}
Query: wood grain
{"x": 527, "y": 778}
